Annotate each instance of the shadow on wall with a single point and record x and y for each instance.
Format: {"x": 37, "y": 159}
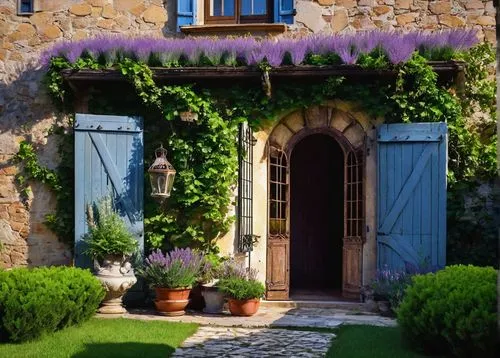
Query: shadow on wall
{"x": 27, "y": 114}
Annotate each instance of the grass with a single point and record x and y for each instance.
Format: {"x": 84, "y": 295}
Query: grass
{"x": 106, "y": 338}
{"x": 354, "y": 341}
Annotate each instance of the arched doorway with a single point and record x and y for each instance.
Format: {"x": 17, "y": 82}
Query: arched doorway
{"x": 317, "y": 153}
{"x": 316, "y": 216}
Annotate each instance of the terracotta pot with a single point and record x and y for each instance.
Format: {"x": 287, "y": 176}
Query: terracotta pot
{"x": 117, "y": 276}
{"x": 171, "y": 301}
{"x": 244, "y": 307}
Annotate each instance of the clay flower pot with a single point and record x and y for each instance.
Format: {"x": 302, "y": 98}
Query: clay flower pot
{"x": 171, "y": 301}
{"x": 244, "y": 307}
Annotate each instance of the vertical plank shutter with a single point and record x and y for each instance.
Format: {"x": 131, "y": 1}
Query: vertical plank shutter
{"x": 186, "y": 13}
{"x": 412, "y": 160}
{"x": 108, "y": 160}
{"x": 284, "y": 11}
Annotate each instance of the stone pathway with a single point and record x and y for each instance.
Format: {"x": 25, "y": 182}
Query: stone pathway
{"x": 273, "y": 317}
{"x": 254, "y": 342}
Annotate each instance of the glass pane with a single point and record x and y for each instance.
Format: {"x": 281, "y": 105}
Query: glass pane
{"x": 222, "y": 8}
{"x": 253, "y": 7}
{"x": 26, "y": 6}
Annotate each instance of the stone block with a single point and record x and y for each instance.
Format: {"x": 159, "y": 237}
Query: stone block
{"x": 155, "y": 14}
{"x": 340, "y": 20}
{"x": 366, "y": 2}
{"x": 381, "y": 10}
{"x": 40, "y": 19}
{"x": 100, "y": 3}
{"x": 81, "y": 9}
{"x": 7, "y": 236}
{"x": 24, "y": 31}
{"x": 310, "y": 14}
{"x": 316, "y": 116}
{"x": 105, "y": 24}
{"x": 138, "y": 10}
{"x": 451, "y": 20}
{"x": 340, "y": 120}
{"x": 122, "y": 22}
{"x": 355, "y": 135}
{"x": 281, "y": 135}
{"x": 486, "y": 20}
{"x": 490, "y": 36}
{"x": 348, "y": 4}
{"x": 50, "y": 32}
{"x": 474, "y": 4}
{"x": 405, "y": 19}
{"x": 402, "y": 4}
{"x": 125, "y": 5}
{"x": 295, "y": 121}
{"x": 53, "y": 5}
{"x": 440, "y": 7}
{"x": 362, "y": 22}
{"x": 108, "y": 12}
{"x": 326, "y": 2}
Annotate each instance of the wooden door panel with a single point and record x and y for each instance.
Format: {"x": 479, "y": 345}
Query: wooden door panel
{"x": 278, "y": 267}
{"x": 411, "y": 194}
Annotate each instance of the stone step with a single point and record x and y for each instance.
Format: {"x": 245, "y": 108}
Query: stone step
{"x": 343, "y": 305}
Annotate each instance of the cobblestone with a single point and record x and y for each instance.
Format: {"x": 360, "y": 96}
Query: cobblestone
{"x": 254, "y": 342}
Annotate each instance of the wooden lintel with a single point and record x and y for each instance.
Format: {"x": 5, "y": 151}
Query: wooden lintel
{"x": 446, "y": 69}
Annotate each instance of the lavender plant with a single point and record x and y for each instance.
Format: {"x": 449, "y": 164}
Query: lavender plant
{"x": 398, "y": 47}
{"x": 179, "y": 268}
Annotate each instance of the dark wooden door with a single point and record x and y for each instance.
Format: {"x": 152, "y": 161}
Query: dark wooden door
{"x": 316, "y": 213}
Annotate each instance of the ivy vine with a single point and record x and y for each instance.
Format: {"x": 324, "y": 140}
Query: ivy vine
{"x": 205, "y": 154}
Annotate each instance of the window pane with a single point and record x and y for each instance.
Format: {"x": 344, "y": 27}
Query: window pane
{"x": 26, "y": 6}
{"x": 222, "y": 8}
{"x": 253, "y": 7}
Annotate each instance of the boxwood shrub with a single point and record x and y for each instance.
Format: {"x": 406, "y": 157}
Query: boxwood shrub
{"x": 42, "y": 300}
{"x": 452, "y": 311}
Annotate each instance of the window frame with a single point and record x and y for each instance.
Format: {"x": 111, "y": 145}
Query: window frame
{"x": 19, "y": 7}
{"x": 237, "y": 18}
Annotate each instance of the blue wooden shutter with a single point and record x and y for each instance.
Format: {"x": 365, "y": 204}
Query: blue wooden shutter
{"x": 108, "y": 159}
{"x": 284, "y": 11}
{"x": 186, "y": 13}
{"x": 412, "y": 160}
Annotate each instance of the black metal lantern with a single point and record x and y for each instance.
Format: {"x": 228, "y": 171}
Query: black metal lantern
{"x": 161, "y": 175}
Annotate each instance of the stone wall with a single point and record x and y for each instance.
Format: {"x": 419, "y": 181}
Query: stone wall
{"x": 26, "y": 112}
{"x": 355, "y": 15}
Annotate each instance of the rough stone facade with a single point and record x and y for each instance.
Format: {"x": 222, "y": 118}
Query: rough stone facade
{"x": 26, "y": 112}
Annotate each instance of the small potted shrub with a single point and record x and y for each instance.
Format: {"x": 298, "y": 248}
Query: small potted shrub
{"x": 172, "y": 276}
{"x": 243, "y": 291}
{"x": 110, "y": 244}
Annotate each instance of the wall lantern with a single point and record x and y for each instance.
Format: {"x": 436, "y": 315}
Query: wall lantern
{"x": 161, "y": 175}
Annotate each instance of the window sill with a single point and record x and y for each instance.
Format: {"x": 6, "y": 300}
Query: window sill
{"x": 235, "y": 29}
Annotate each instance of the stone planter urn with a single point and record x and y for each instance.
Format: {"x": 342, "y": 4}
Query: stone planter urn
{"x": 214, "y": 299}
{"x": 171, "y": 301}
{"x": 117, "y": 276}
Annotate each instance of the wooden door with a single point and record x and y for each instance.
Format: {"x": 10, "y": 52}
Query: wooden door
{"x": 108, "y": 160}
{"x": 412, "y": 161}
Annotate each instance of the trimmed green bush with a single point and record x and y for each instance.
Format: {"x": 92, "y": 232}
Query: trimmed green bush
{"x": 241, "y": 289}
{"x": 42, "y": 300}
{"x": 452, "y": 311}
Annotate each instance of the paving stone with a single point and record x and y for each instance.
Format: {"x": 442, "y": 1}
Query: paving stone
{"x": 254, "y": 342}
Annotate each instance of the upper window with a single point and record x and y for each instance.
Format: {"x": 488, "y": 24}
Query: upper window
{"x": 25, "y": 7}
{"x": 237, "y": 11}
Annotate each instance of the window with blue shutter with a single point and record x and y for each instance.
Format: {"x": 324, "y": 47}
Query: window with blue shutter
{"x": 284, "y": 11}
{"x": 236, "y": 11}
{"x": 186, "y": 12}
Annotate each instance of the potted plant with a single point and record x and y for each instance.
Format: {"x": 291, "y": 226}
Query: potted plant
{"x": 110, "y": 244}
{"x": 243, "y": 290}
{"x": 172, "y": 276}
{"x": 210, "y": 275}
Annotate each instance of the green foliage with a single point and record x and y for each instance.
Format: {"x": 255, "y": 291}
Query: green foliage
{"x": 452, "y": 311}
{"x": 108, "y": 234}
{"x": 37, "y": 301}
{"x": 472, "y": 236}
{"x": 205, "y": 153}
{"x": 241, "y": 289}
{"x": 60, "y": 181}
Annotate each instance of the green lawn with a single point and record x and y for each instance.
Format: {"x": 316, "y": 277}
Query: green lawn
{"x": 370, "y": 342}
{"x": 106, "y": 338}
